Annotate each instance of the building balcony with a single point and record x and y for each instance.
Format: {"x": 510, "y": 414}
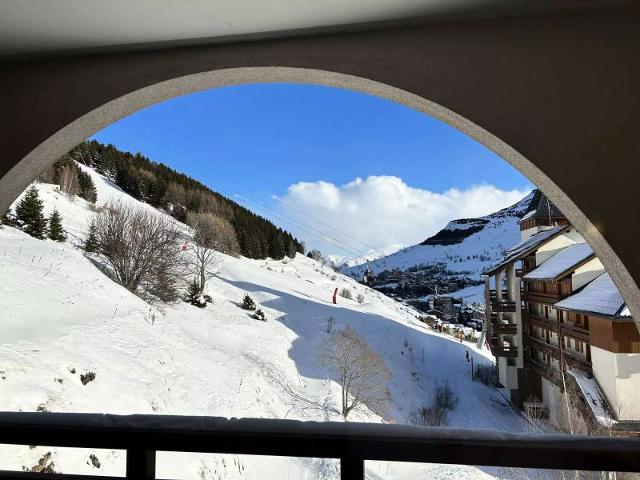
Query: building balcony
{"x": 576, "y": 360}
{"x": 503, "y": 306}
{"x": 541, "y": 297}
{"x": 502, "y": 349}
{"x": 540, "y": 321}
{"x": 542, "y": 345}
{"x": 575, "y": 331}
{"x": 504, "y": 328}
{"x": 539, "y": 366}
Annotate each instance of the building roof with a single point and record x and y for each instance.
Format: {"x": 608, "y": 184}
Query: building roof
{"x": 526, "y": 247}
{"x": 599, "y": 297}
{"x": 541, "y": 207}
{"x": 566, "y": 260}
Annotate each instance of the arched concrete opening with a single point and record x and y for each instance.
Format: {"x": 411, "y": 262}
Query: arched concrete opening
{"x": 74, "y": 133}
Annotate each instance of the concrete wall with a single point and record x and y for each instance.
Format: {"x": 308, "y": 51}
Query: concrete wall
{"x": 552, "y": 398}
{"x": 554, "y": 94}
{"x": 586, "y": 273}
{"x": 618, "y": 375}
{"x": 560, "y": 242}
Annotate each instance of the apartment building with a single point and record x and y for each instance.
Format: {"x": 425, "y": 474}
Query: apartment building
{"x": 554, "y": 316}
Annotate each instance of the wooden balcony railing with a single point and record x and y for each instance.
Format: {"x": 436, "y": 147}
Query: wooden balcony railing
{"x": 502, "y": 306}
{"x": 575, "y": 331}
{"x": 540, "y": 321}
{"x": 543, "y": 346}
{"x": 504, "y": 328}
{"x": 141, "y": 436}
{"x": 499, "y": 349}
{"x": 542, "y": 297}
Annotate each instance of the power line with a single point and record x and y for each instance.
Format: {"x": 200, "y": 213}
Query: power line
{"x": 350, "y": 248}
{"x": 299, "y": 224}
{"x": 262, "y": 193}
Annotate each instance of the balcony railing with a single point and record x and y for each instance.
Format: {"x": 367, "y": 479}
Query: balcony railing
{"x": 542, "y": 345}
{"x": 504, "y": 328}
{"x": 502, "y": 306}
{"x": 352, "y": 443}
{"x": 499, "y": 349}
{"x": 542, "y": 297}
{"x": 540, "y": 321}
{"x": 575, "y": 331}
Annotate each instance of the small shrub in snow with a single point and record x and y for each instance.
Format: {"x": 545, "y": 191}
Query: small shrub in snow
{"x": 259, "y": 315}
{"x": 445, "y": 397}
{"x": 248, "y": 303}
{"x": 444, "y": 400}
{"x": 360, "y": 298}
{"x": 346, "y": 293}
{"x": 428, "y": 416}
{"x": 194, "y": 297}
{"x": 87, "y": 377}
{"x": 8, "y": 219}
{"x": 334, "y": 278}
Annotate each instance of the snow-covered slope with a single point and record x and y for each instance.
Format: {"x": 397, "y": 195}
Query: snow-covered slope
{"x": 62, "y": 318}
{"x": 466, "y": 246}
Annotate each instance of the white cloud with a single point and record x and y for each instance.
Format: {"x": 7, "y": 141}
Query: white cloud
{"x": 383, "y": 210}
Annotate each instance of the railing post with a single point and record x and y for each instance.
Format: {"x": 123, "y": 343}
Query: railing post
{"x": 141, "y": 464}
{"x": 351, "y": 467}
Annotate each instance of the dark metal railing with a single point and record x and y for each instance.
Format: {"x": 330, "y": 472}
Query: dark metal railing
{"x": 352, "y": 443}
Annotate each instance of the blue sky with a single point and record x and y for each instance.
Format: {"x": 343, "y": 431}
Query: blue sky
{"x": 254, "y": 142}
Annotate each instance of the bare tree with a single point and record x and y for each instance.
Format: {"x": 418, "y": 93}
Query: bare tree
{"x": 359, "y": 369}
{"x": 211, "y": 235}
{"x": 316, "y": 255}
{"x": 142, "y": 248}
{"x": 68, "y": 181}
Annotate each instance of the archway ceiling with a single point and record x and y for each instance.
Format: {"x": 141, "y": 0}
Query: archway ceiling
{"x": 51, "y": 26}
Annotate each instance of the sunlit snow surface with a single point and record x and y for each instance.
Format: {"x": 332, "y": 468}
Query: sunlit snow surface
{"x": 61, "y": 315}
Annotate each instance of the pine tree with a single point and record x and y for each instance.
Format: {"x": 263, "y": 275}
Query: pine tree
{"x": 91, "y": 242}
{"x": 55, "y": 230}
{"x": 248, "y": 303}
{"x": 194, "y": 297}
{"x": 29, "y": 214}
{"x": 87, "y": 187}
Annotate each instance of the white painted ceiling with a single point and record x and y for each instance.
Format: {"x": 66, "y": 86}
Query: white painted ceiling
{"x": 28, "y": 26}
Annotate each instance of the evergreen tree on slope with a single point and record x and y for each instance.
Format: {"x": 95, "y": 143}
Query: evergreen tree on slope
{"x": 55, "y": 230}
{"x": 29, "y": 214}
{"x": 91, "y": 242}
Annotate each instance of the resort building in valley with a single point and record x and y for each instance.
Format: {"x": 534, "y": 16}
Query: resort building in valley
{"x": 556, "y": 323}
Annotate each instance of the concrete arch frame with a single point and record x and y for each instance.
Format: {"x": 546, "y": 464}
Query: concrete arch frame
{"x": 484, "y": 77}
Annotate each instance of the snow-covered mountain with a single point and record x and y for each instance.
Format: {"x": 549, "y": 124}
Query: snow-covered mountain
{"x": 63, "y": 318}
{"x": 371, "y": 255}
{"x": 465, "y": 247}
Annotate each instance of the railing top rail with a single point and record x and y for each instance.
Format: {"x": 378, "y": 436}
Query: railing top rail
{"x": 369, "y": 441}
